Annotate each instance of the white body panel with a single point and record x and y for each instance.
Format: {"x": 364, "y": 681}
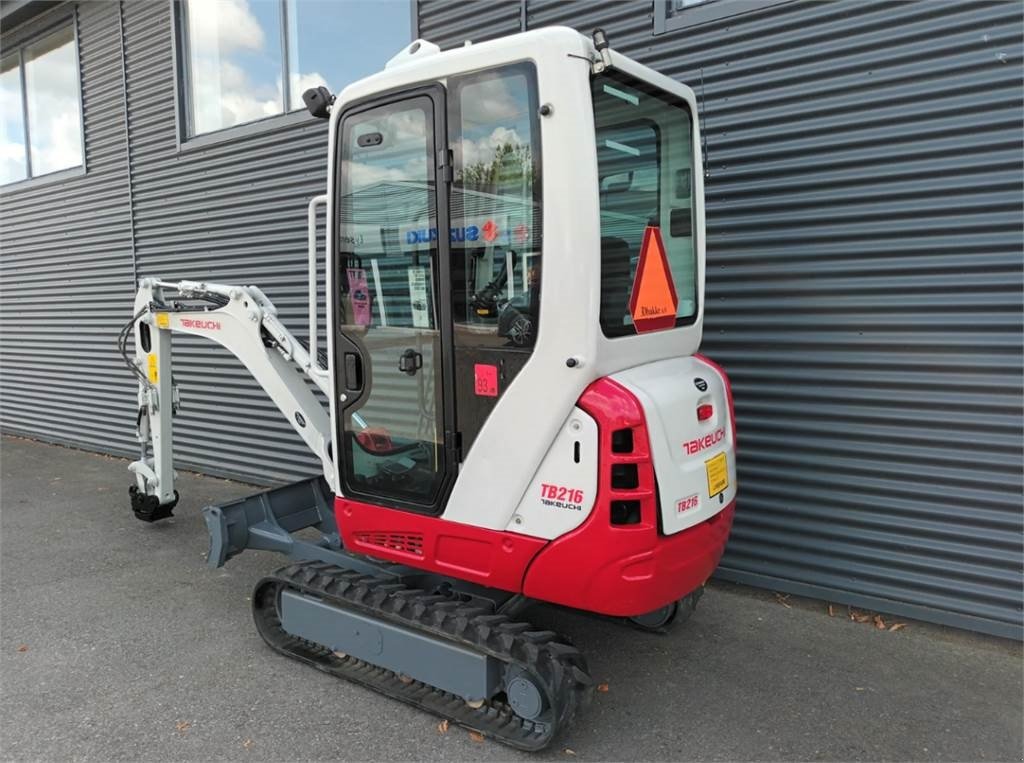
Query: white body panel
{"x": 563, "y": 490}
{"x": 681, "y": 446}
{"x": 517, "y": 435}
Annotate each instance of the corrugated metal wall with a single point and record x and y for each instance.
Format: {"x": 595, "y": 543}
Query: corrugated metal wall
{"x": 66, "y": 267}
{"x": 864, "y": 251}
{"x": 233, "y": 212}
{"x": 864, "y": 285}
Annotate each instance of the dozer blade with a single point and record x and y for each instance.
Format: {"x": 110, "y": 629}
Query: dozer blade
{"x": 265, "y": 521}
{"x": 483, "y": 671}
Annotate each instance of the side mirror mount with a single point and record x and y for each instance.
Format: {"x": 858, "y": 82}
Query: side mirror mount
{"x": 318, "y": 101}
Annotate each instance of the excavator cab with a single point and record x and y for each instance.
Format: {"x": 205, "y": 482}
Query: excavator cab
{"x": 437, "y": 194}
{"x": 516, "y": 408}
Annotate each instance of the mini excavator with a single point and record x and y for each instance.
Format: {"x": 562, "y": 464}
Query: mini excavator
{"x": 506, "y": 400}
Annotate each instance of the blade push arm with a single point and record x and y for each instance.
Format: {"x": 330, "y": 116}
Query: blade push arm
{"x": 243, "y": 320}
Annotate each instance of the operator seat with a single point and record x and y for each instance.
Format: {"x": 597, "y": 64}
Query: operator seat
{"x": 616, "y": 280}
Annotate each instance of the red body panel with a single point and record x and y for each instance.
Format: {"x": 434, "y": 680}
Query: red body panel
{"x": 488, "y": 557}
{"x": 611, "y": 569}
{"x": 625, "y": 569}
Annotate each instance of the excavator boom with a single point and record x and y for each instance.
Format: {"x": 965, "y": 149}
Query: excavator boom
{"x": 244, "y": 321}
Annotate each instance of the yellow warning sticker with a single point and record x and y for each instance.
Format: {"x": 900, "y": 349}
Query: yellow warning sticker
{"x": 151, "y": 363}
{"x": 163, "y": 321}
{"x": 718, "y": 474}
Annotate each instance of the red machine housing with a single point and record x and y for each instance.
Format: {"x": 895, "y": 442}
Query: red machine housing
{"x": 611, "y": 569}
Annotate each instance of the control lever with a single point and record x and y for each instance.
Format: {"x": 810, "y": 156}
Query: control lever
{"x": 410, "y": 362}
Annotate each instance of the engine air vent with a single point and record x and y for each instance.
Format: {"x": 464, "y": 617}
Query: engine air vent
{"x": 622, "y": 441}
{"x": 625, "y": 512}
{"x": 409, "y": 543}
{"x": 625, "y": 477}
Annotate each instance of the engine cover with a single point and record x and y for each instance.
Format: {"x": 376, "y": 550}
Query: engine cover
{"x": 694, "y": 457}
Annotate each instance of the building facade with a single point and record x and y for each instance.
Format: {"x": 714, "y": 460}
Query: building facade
{"x": 864, "y": 204}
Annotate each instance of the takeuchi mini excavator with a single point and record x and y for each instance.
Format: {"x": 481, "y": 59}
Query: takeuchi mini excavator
{"x": 506, "y": 399}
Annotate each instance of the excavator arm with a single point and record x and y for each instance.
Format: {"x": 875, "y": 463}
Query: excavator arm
{"x": 241, "y": 319}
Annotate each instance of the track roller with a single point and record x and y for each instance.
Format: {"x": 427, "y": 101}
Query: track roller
{"x": 676, "y": 612}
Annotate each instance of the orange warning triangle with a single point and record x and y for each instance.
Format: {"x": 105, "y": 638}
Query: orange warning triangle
{"x": 653, "y": 302}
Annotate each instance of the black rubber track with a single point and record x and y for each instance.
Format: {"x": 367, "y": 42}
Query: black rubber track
{"x": 557, "y": 668}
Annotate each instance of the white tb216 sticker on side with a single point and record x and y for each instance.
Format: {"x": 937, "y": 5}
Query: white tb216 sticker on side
{"x": 687, "y": 503}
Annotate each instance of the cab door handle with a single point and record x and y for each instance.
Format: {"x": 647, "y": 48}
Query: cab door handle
{"x": 353, "y": 372}
{"x": 410, "y": 362}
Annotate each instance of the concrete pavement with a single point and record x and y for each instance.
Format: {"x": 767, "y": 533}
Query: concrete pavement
{"x": 116, "y": 643}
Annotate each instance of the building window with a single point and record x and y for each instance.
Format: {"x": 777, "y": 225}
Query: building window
{"x": 670, "y": 15}
{"x": 40, "y": 108}
{"x": 246, "y": 60}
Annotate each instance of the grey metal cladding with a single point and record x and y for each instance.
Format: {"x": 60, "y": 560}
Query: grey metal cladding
{"x": 451, "y": 23}
{"x": 66, "y": 266}
{"x": 864, "y": 287}
{"x": 230, "y": 212}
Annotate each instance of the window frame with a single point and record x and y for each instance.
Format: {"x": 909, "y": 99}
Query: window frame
{"x": 667, "y": 21}
{"x": 669, "y": 99}
{"x": 183, "y": 110}
{"x": 30, "y": 180}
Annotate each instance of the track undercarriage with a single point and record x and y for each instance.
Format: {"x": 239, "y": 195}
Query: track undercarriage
{"x": 448, "y": 647}
{"x": 456, "y": 659}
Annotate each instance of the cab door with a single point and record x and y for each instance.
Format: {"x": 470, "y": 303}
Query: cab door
{"x": 392, "y": 300}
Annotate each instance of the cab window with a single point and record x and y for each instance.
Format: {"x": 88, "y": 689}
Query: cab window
{"x": 495, "y": 213}
{"x": 494, "y": 135}
{"x": 645, "y": 169}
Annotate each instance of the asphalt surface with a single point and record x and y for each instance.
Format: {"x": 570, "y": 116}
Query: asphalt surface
{"x": 116, "y": 643}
